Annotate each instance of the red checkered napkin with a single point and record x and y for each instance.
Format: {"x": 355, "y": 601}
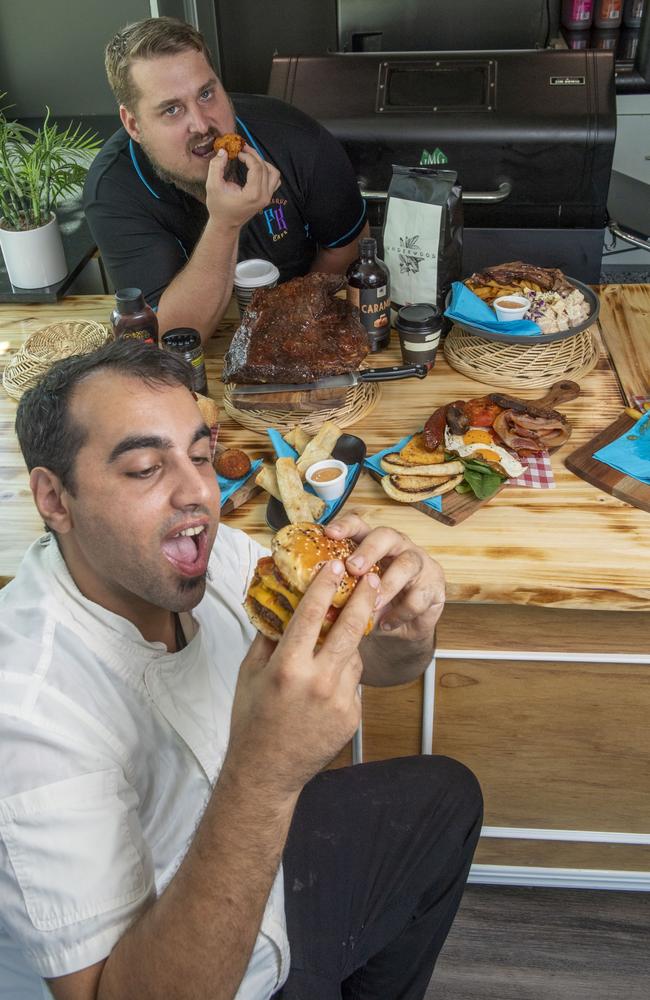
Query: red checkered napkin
{"x": 538, "y": 475}
{"x": 214, "y": 434}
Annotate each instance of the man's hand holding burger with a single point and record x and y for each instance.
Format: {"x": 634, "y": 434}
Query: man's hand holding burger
{"x": 315, "y": 600}
{"x": 297, "y": 701}
{"x": 410, "y": 601}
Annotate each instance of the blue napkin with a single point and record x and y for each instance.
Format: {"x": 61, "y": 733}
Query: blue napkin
{"x": 468, "y": 309}
{"x": 373, "y": 462}
{"x": 630, "y": 453}
{"x": 284, "y": 450}
{"x": 228, "y": 486}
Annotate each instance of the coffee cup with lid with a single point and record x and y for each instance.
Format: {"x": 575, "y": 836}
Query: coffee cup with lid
{"x": 251, "y": 275}
{"x": 419, "y": 326}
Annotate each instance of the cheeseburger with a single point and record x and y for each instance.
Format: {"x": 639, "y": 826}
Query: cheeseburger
{"x": 298, "y": 551}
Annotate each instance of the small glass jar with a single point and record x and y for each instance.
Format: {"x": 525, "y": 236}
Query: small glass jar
{"x": 186, "y": 342}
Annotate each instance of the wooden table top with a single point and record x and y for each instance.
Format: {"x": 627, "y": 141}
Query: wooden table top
{"x": 570, "y": 547}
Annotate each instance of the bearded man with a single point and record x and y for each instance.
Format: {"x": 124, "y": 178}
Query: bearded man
{"x": 168, "y": 213}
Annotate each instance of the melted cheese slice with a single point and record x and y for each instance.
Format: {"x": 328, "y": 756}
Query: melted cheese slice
{"x": 270, "y": 582}
{"x": 268, "y": 600}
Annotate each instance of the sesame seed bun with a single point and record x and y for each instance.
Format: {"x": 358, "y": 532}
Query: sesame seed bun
{"x": 298, "y": 553}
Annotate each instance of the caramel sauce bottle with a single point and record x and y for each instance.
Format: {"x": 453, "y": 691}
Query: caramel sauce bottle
{"x": 132, "y": 318}
{"x": 368, "y": 289}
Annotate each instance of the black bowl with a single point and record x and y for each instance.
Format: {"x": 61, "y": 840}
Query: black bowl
{"x": 348, "y": 449}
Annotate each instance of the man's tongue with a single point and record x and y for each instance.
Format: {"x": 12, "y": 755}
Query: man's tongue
{"x": 182, "y": 548}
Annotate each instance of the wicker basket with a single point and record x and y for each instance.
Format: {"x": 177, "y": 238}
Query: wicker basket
{"x": 519, "y": 366}
{"x": 359, "y": 401}
{"x": 47, "y": 345}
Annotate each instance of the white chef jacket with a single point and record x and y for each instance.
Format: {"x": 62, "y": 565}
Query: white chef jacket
{"x": 109, "y": 749}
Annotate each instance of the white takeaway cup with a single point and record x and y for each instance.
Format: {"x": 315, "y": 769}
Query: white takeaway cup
{"x": 251, "y": 275}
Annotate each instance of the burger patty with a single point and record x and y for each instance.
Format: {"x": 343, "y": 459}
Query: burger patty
{"x": 266, "y": 615}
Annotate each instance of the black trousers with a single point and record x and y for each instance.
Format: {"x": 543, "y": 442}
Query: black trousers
{"x": 374, "y": 869}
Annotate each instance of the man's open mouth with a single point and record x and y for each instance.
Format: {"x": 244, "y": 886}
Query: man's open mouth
{"x": 205, "y": 150}
{"x": 187, "y": 550}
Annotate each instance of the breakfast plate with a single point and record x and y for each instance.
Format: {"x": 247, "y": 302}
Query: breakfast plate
{"x": 349, "y": 449}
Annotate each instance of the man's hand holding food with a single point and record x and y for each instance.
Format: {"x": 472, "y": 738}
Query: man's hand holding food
{"x": 335, "y": 607}
{"x": 233, "y": 204}
{"x": 409, "y": 603}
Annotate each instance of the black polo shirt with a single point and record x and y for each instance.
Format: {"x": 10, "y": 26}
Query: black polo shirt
{"x": 147, "y": 229}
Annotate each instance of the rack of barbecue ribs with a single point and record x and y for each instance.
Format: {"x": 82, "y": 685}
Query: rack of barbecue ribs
{"x": 295, "y": 333}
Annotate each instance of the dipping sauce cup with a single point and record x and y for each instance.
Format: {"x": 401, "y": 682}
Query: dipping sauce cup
{"x": 327, "y": 478}
{"x": 511, "y": 307}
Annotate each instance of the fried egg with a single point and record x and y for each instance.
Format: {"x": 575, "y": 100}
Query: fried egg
{"x": 478, "y": 443}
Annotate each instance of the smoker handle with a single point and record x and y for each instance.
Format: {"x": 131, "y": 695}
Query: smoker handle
{"x": 622, "y": 234}
{"x": 475, "y": 197}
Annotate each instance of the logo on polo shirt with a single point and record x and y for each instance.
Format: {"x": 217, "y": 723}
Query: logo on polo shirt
{"x": 276, "y": 224}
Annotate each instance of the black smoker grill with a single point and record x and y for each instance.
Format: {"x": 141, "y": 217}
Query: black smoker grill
{"x": 530, "y": 133}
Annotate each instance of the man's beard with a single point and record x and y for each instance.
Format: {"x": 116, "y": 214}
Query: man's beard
{"x": 194, "y": 188}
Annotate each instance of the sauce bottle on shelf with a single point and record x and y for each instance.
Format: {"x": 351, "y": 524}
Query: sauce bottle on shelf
{"x": 608, "y": 13}
{"x": 577, "y": 14}
{"x": 632, "y": 13}
{"x": 132, "y": 318}
{"x": 368, "y": 288}
{"x": 186, "y": 342}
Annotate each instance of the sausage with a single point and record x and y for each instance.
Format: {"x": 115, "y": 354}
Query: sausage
{"x": 434, "y": 429}
{"x": 450, "y": 413}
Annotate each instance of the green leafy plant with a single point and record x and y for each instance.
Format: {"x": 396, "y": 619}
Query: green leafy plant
{"x": 39, "y": 168}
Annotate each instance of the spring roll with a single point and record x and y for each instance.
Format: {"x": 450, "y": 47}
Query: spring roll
{"x": 320, "y": 447}
{"x": 267, "y": 479}
{"x": 292, "y": 493}
{"x": 298, "y": 438}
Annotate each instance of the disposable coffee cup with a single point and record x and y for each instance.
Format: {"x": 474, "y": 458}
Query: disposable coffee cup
{"x": 419, "y": 329}
{"x": 251, "y": 275}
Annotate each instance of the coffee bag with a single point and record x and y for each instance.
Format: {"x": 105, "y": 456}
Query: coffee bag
{"x": 423, "y": 234}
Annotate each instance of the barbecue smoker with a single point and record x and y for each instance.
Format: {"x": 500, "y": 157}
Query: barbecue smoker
{"x": 530, "y": 134}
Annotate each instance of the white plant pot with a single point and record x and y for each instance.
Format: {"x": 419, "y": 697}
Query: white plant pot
{"x": 34, "y": 258}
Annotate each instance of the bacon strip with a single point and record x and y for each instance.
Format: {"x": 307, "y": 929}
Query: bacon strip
{"x": 525, "y": 432}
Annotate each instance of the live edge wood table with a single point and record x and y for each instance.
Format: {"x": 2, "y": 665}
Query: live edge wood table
{"x": 541, "y": 681}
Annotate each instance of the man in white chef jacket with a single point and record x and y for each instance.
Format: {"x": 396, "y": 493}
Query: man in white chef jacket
{"x": 166, "y": 825}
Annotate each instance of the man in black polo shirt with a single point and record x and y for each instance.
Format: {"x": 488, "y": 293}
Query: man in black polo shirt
{"x": 168, "y": 213}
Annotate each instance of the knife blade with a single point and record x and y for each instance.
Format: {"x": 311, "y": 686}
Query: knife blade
{"x": 388, "y": 374}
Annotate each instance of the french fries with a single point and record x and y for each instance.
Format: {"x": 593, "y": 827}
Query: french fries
{"x": 267, "y": 479}
{"x": 292, "y": 492}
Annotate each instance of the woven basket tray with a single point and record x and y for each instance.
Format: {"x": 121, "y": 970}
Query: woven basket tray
{"x": 359, "y": 401}
{"x": 518, "y": 366}
{"x": 47, "y": 345}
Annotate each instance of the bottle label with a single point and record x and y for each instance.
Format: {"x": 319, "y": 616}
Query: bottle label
{"x": 374, "y": 308}
{"x": 143, "y": 335}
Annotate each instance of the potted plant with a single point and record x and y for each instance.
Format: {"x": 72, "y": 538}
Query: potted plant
{"x": 38, "y": 170}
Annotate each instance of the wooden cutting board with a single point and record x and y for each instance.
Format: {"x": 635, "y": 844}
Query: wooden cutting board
{"x": 623, "y": 487}
{"x": 456, "y": 507}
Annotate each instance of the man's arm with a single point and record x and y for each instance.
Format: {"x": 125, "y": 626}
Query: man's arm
{"x": 294, "y": 709}
{"x": 200, "y": 292}
{"x": 409, "y": 604}
{"x": 338, "y": 259}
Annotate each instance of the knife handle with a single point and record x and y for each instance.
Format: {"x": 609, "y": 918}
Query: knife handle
{"x": 393, "y": 372}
